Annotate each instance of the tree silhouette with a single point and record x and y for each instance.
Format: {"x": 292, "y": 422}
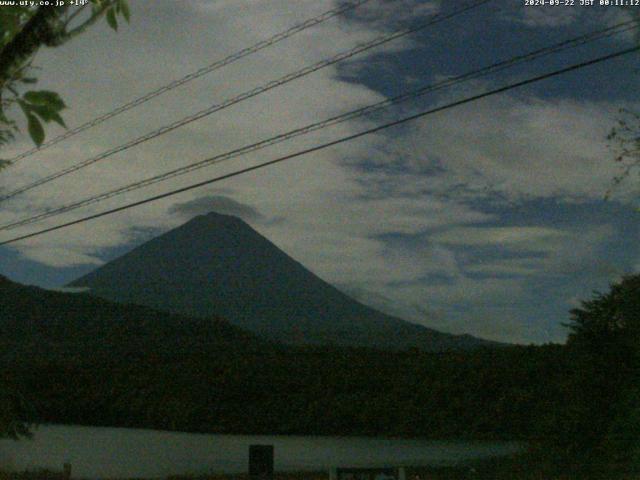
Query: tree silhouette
{"x": 23, "y": 31}
{"x": 602, "y": 420}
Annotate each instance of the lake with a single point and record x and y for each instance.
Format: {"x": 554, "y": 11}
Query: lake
{"x": 97, "y": 452}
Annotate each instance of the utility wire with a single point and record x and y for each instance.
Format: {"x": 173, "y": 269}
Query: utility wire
{"x": 368, "y": 110}
{"x": 323, "y": 146}
{"x": 245, "y": 96}
{"x": 311, "y": 22}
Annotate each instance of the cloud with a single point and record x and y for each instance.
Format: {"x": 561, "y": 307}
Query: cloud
{"x": 508, "y": 267}
{"x": 415, "y": 311}
{"x": 581, "y": 253}
{"x": 493, "y": 310}
{"x": 219, "y": 204}
{"x": 387, "y": 15}
{"x": 520, "y": 238}
{"x": 521, "y": 148}
{"x": 463, "y": 306}
{"x": 535, "y": 250}
{"x": 60, "y": 257}
{"x": 402, "y": 215}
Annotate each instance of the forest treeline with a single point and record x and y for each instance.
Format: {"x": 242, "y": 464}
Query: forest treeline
{"x": 80, "y": 360}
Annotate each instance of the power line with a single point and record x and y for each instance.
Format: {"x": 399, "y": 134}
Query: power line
{"x": 367, "y": 110}
{"x": 311, "y": 22}
{"x": 332, "y": 143}
{"x": 245, "y": 96}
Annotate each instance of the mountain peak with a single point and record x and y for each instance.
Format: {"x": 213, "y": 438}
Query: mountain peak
{"x": 216, "y": 264}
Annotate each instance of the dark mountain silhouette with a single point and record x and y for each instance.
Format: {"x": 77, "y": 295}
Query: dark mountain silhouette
{"x": 38, "y": 323}
{"x": 218, "y": 265}
{"x": 70, "y": 358}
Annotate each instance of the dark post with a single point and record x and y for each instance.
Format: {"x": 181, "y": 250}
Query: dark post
{"x": 261, "y": 462}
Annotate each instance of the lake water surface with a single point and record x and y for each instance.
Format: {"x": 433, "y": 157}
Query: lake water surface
{"x": 96, "y": 452}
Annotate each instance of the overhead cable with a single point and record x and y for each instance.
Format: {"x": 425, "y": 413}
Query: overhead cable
{"x": 367, "y": 110}
{"x": 311, "y": 22}
{"x": 330, "y": 144}
{"x": 244, "y": 96}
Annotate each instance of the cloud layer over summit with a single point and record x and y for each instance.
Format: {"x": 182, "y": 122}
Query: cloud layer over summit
{"x": 486, "y": 219}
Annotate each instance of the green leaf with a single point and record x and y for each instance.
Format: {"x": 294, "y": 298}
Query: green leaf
{"x": 29, "y": 80}
{"x": 47, "y": 114}
{"x": 124, "y": 8}
{"x": 58, "y": 119}
{"x": 46, "y": 98}
{"x": 111, "y": 19}
{"x": 35, "y": 130}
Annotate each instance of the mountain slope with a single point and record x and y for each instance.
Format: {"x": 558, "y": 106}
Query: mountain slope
{"x": 37, "y": 323}
{"x": 78, "y": 360}
{"x": 218, "y": 265}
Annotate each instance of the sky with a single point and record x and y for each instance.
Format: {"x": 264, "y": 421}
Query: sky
{"x": 489, "y": 218}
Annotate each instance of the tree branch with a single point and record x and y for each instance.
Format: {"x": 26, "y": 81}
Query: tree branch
{"x": 38, "y": 30}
